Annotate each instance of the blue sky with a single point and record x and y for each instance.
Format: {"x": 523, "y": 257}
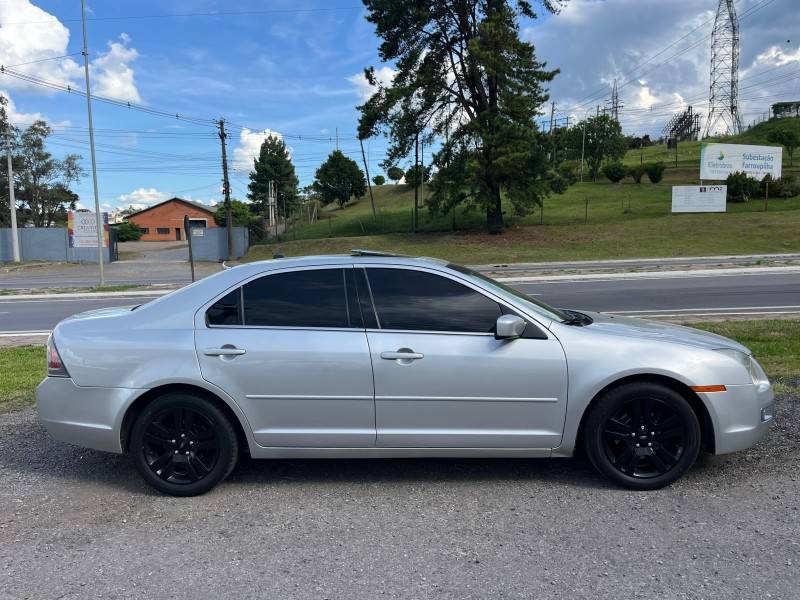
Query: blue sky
{"x": 296, "y": 71}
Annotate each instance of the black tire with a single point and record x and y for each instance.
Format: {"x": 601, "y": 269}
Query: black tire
{"x": 642, "y": 435}
{"x": 183, "y": 445}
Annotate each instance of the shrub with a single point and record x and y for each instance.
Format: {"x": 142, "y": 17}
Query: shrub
{"x": 614, "y": 170}
{"x": 636, "y": 173}
{"x": 379, "y": 180}
{"x": 569, "y": 171}
{"x": 775, "y": 186}
{"x": 128, "y": 232}
{"x": 655, "y": 171}
{"x": 742, "y": 187}
{"x": 790, "y": 187}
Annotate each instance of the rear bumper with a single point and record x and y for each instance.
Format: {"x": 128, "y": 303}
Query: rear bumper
{"x": 741, "y": 415}
{"x": 85, "y": 416}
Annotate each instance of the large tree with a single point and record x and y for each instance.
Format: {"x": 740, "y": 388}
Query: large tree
{"x": 273, "y": 164}
{"x": 463, "y": 76}
{"x": 43, "y": 182}
{"x": 338, "y": 179}
{"x": 599, "y": 139}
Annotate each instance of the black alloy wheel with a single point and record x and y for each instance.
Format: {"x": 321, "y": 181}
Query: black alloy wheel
{"x": 183, "y": 444}
{"x": 642, "y": 435}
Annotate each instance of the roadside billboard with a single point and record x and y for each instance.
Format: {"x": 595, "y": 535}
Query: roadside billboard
{"x": 717, "y": 161}
{"x": 699, "y": 198}
{"x": 82, "y": 229}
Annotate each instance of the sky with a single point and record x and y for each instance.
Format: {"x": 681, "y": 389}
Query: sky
{"x": 295, "y": 68}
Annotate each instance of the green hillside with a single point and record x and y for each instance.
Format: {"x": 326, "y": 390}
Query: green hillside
{"x": 689, "y": 152}
{"x": 590, "y": 220}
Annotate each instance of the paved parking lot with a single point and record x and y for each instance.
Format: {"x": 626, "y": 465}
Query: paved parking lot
{"x": 80, "y": 524}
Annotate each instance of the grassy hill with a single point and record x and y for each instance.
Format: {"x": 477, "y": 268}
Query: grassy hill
{"x": 590, "y": 220}
{"x": 689, "y": 152}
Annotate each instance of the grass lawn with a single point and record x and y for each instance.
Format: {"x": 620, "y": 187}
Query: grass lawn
{"x": 623, "y": 222}
{"x": 21, "y": 370}
{"x": 775, "y": 343}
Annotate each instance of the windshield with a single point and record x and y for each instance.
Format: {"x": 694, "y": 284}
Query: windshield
{"x": 535, "y": 305}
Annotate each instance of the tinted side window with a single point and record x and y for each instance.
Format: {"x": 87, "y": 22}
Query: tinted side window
{"x": 313, "y": 298}
{"x": 415, "y": 300}
{"x": 226, "y": 310}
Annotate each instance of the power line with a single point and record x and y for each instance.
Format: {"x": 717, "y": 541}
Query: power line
{"x": 231, "y": 13}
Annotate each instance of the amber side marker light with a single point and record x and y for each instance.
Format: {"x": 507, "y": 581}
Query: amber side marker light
{"x": 709, "y": 388}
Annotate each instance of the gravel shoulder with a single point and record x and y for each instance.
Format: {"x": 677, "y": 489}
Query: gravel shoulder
{"x": 80, "y": 524}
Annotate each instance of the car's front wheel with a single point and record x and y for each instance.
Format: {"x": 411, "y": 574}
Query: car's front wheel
{"x": 183, "y": 444}
{"x": 642, "y": 435}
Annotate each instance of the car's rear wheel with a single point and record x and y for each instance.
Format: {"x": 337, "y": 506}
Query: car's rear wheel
{"x": 183, "y": 444}
{"x": 642, "y": 435}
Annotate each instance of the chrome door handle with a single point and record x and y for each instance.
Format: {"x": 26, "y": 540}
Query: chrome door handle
{"x": 401, "y": 355}
{"x": 224, "y": 351}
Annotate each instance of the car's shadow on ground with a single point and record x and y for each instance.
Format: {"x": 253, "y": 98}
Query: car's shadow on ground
{"x": 26, "y": 448}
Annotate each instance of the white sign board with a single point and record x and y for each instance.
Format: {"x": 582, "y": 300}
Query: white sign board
{"x": 82, "y": 229}
{"x": 198, "y": 231}
{"x": 699, "y": 198}
{"x": 717, "y": 161}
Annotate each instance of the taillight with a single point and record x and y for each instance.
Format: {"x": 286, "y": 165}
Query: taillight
{"x": 55, "y": 368}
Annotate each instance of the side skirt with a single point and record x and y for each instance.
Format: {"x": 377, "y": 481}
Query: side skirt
{"x": 263, "y": 452}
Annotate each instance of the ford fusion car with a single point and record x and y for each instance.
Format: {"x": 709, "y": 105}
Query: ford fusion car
{"x": 373, "y": 355}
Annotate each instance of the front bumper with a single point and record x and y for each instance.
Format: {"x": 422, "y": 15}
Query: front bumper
{"x": 741, "y": 415}
{"x": 85, "y": 416}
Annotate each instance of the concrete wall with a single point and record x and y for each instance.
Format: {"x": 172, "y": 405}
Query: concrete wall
{"x": 45, "y": 243}
{"x": 213, "y": 244}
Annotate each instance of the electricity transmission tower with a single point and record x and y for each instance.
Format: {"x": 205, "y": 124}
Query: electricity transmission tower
{"x": 614, "y": 106}
{"x": 723, "y": 103}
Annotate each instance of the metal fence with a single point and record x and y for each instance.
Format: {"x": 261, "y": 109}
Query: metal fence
{"x": 211, "y": 244}
{"x": 46, "y": 243}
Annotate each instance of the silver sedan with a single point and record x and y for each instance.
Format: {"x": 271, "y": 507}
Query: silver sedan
{"x": 371, "y": 355}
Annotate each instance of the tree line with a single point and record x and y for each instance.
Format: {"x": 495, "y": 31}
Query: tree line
{"x": 41, "y": 182}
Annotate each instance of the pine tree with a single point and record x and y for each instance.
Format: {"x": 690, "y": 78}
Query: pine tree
{"x": 463, "y": 74}
{"x": 273, "y": 164}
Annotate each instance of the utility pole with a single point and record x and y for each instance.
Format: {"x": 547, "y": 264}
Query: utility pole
{"x": 98, "y": 216}
{"x": 422, "y": 167}
{"x": 552, "y": 129}
{"x": 226, "y": 189}
{"x": 369, "y": 183}
{"x": 337, "y": 138}
{"x": 416, "y": 183}
{"x": 12, "y": 203}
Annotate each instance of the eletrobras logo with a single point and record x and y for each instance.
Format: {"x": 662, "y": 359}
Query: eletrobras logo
{"x": 718, "y": 164}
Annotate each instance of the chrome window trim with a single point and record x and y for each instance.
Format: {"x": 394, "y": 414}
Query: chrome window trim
{"x": 286, "y": 328}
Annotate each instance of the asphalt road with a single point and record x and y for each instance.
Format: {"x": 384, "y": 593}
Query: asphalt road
{"x": 713, "y": 296}
{"x": 76, "y": 523}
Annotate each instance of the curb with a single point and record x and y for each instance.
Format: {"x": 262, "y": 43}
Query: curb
{"x": 653, "y": 274}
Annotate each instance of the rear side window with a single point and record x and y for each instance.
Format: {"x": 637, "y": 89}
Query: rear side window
{"x": 313, "y": 298}
{"x": 226, "y": 310}
{"x": 416, "y": 300}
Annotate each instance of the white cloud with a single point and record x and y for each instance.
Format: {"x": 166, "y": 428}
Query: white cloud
{"x": 593, "y": 42}
{"x": 45, "y": 37}
{"x": 249, "y": 147}
{"x": 143, "y": 197}
{"x": 31, "y": 34}
{"x": 20, "y": 119}
{"x": 111, "y": 72}
{"x": 384, "y": 76}
{"x": 777, "y": 56}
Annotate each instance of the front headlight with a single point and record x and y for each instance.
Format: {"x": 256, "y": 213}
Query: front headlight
{"x": 757, "y": 374}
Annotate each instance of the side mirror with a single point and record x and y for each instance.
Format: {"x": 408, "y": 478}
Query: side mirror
{"x": 509, "y": 327}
